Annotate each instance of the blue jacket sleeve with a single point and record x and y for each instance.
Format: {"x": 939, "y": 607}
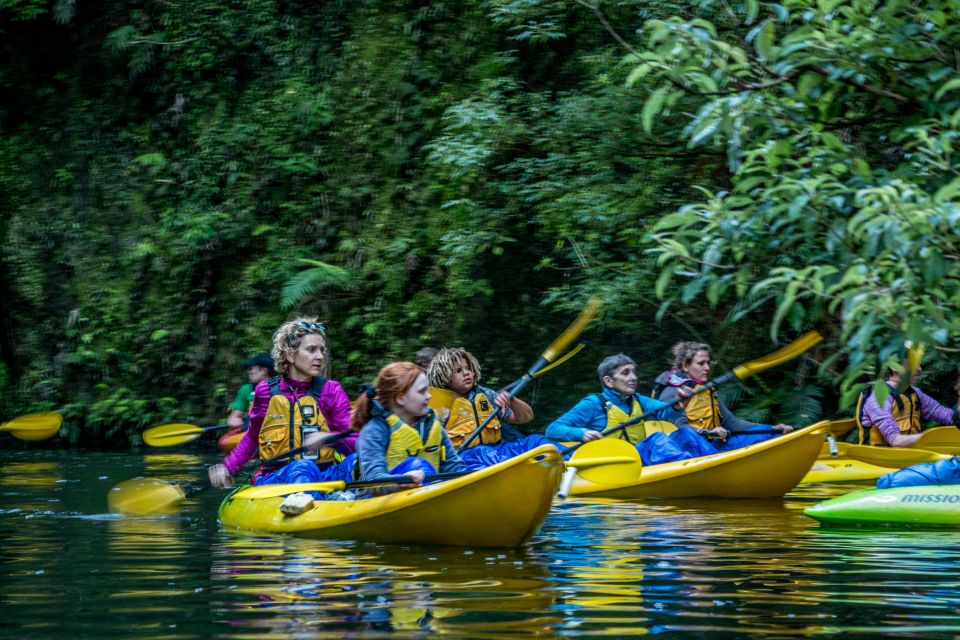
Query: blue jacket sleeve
{"x": 664, "y": 411}
{"x": 586, "y": 415}
{"x": 371, "y": 449}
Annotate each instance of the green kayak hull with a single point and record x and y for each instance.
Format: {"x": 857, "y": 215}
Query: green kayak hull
{"x": 932, "y": 505}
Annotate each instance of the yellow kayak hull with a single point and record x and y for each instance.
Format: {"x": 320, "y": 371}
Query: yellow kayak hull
{"x": 500, "y": 506}
{"x": 841, "y": 469}
{"x": 848, "y": 467}
{"x": 767, "y": 469}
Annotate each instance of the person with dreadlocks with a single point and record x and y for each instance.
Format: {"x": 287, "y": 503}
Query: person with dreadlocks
{"x": 297, "y": 408}
{"x": 399, "y": 433}
{"x": 457, "y": 370}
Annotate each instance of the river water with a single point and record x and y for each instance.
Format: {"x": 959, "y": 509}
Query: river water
{"x": 694, "y": 568}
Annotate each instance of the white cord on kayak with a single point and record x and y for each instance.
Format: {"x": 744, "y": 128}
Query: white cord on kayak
{"x": 567, "y": 482}
{"x": 832, "y": 446}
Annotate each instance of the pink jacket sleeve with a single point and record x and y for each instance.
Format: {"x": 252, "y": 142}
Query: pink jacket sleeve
{"x": 335, "y": 406}
{"x": 250, "y": 442}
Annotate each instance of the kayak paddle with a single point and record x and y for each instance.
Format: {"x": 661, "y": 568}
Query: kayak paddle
{"x": 742, "y": 372}
{"x": 278, "y": 490}
{"x": 443, "y": 398}
{"x": 940, "y": 439}
{"x": 34, "y": 426}
{"x": 170, "y": 435}
{"x": 146, "y": 496}
{"x": 913, "y": 361}
{"x": 549, "y": 356}
{"x": 604, "y": 461}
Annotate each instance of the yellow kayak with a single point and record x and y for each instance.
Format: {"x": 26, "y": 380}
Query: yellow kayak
{"x": 767, "y": 469}
{"x": 500, "y": 506}
{"x": 842, "y": 470}
{"x": 855, "y": 463}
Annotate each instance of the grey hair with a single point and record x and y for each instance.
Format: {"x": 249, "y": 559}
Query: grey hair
{"x": 610, "y": 364}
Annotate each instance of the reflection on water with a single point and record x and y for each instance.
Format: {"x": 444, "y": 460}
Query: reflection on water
{"x": 597, "y": 568}
{"x": 338, "y": 587}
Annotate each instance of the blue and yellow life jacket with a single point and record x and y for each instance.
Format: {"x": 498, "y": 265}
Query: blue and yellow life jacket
{"x": 905, "y": 410}
{"x": 405, "y": 441}
{"x": 469, "y": 412}
{"x": 617, "y": 416}
{"x": 286, "y": 420}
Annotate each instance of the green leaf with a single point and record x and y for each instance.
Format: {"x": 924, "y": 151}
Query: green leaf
{"x": 638, "y": 72}
{"x": 652, "y": 107}
{"x": 946, "y": 87}
{"x": 663, "y": 281}
{"x": 949, "y": 192}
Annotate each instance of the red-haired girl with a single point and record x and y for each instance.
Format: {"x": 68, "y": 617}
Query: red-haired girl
{"x": 398, "y": 429}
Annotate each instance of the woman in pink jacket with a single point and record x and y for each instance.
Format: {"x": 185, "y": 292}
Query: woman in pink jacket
{"x": 297, "y": 409}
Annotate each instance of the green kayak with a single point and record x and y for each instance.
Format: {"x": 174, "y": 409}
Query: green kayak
{"x": 931, "y": 505}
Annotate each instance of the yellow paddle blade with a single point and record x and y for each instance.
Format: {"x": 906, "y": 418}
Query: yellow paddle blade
{"x": 892, "y": 457}
{"x": 622, "y": 464}
{"x": 169, "y": 435}
{"x": 441, "y": 399}
{"x": 569, "y": 354}
{"x": 781, "y": 355}
{"x": 144, "y": 496}
{"x": 914, "y": 356}
{"x": 840, "y": 428}
{"x": 278, "y": 490}
{"x": 563, "y": 342}
{"x": 940, "y": 439}
{"x": 34, "y": 426}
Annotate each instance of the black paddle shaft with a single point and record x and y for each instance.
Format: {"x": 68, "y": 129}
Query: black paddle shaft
{"x": 513, "y": 389}
{"x": 648, "y": 414}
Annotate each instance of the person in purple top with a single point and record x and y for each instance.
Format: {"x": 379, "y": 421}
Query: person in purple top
{"x": 298, "y": 408}
{"x": 941, "y": 472}
{"x": 897, "y": 421}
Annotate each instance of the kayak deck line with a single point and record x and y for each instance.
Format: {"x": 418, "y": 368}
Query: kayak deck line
{"x": 767, "y": 469}
{"x": 484, "y": 508}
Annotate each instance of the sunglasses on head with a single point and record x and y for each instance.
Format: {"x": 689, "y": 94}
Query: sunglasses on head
{"x": 307, "y": 327}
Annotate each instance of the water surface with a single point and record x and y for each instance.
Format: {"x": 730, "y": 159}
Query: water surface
{"x": 717, "y": 568}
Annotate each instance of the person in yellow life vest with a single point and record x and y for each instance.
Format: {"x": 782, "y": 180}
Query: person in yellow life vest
{"x": 619, "y": 402}
{"x": 297, "y": 408}
{"x": 706, "y": 412}
{"x": 399, "y": 433}
{"x": 897, "y": 421}
{"x": 457, "y": 370}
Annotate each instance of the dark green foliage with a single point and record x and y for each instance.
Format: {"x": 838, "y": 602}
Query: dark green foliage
{"x": 177, "y": 179}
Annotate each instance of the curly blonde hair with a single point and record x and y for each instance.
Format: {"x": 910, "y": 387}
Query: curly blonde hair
{"x": 446, "y": 363}
{"x": 287, "y": 339}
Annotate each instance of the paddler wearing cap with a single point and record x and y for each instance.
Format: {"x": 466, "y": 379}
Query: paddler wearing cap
{"x": 259, "y": 368}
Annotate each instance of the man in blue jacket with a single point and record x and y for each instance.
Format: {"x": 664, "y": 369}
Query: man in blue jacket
{"x": 619, "y": 402}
